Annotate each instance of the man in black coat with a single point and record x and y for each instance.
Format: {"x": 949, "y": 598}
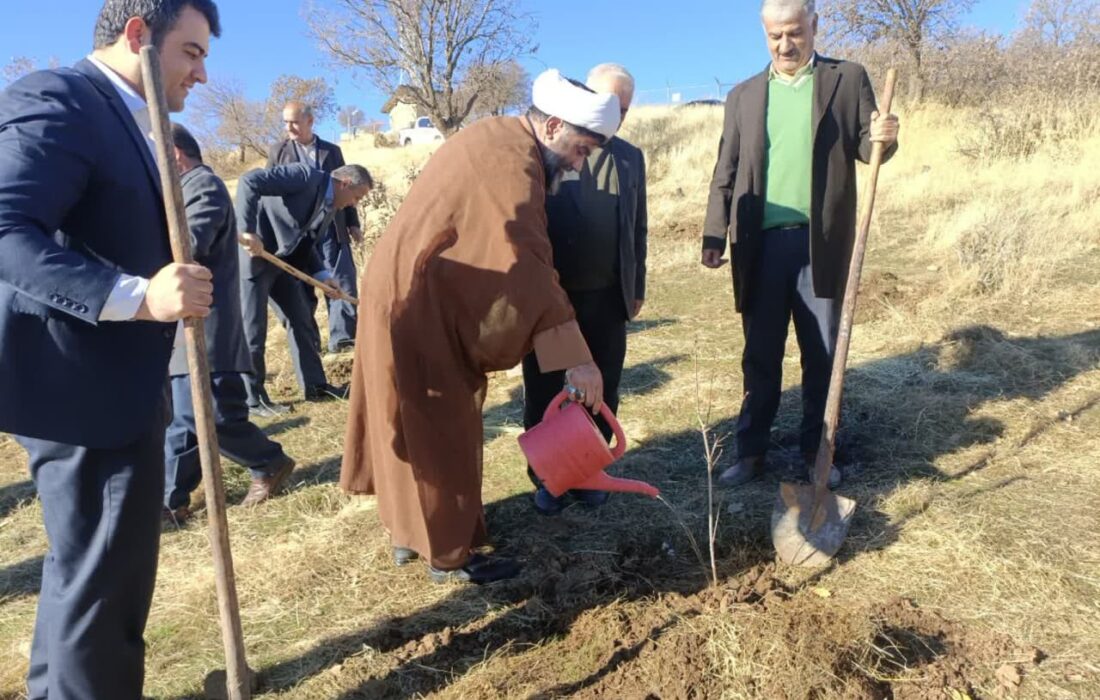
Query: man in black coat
{"x": 598, "y": 226}
{"x": 302, "y": 145}
{"x": 213, "y": 227}
{"x": 284, "y": 210}
{"x": 784, "y": 195}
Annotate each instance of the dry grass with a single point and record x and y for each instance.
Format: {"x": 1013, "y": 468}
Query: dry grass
{"x": 970, "y": 424}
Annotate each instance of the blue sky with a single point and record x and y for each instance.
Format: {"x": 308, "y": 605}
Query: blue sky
{"x": 682, "y": 44}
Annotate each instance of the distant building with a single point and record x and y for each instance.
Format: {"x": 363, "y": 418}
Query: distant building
{"x": 402, "y": 109}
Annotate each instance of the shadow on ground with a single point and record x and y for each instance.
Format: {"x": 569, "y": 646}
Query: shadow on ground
{"x": 902, "y": 414}
{"x": 21, "y": 580}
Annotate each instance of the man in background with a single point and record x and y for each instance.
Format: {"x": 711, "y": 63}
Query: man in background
{"x": 89, "y": 305}
{"x": 598, "y": 228}
{"x": 302, "y": 145}
{"x": 213, "y": 227}
{"x": 784, "y": 195}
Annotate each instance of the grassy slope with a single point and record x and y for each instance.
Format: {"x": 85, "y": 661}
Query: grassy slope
{"x": 971, "y": 415}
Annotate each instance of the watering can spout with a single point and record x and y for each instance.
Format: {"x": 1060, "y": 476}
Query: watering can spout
{"x": 602, "y": 482}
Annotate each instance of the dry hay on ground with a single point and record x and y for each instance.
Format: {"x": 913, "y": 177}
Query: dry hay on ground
{"x": 969, "y": 442}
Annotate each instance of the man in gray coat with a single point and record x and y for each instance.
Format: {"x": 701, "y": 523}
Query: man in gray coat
{"x": 784, "y": 195}
{"x": 598, "y": 228}
{"x": 214, "y": 243}
{"x": 284, "y": 210}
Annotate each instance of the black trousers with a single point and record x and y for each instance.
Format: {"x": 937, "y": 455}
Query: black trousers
{"x": 602, "y": 318}
{"x": 238, "y": 438}
{"x": 101, "y": 509}
{"x": 782, "y": 291}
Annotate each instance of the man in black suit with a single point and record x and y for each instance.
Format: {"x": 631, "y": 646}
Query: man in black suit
{"x": 89, "y": 306}
{"x": 783, "y": 194}
{"x": 284, "y": 210}
{"x": 213, "y": 226}
{"x": 598, "y": 226}
{"x": 302, "y": 145}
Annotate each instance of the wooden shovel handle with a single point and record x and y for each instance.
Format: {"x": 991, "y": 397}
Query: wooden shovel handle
{"x": 308, "y": 279}
{"x": 826, "y": 450}
{"x": 238, "y": 678}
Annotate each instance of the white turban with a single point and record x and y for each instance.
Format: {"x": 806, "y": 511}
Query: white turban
{"x": 557, "y": 97}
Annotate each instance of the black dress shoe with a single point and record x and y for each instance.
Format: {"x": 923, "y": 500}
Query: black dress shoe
{"x": 404, "y": 555}
{"x": 479, "y": 569}
{"x": 264, "y": 408}
{"x": 342, "y": 345}
{"x": 327, "y": 392}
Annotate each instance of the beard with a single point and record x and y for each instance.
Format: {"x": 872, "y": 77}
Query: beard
{"x": 553, "y": 165}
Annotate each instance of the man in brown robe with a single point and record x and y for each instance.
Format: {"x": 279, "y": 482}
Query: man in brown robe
{"x": 461, "y": 284}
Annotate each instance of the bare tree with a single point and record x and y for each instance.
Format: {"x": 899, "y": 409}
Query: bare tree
{"x": 16, "y": 68}
{"x": 916, "y": 25}
{"x": 351, "y": 118}
{"x": 437, "y": 48}
{"x": 245, "y": 125}
{"x": 501, "y": 87}
{"x": 1058, "y": 23}
{"x": 231, "y": 119}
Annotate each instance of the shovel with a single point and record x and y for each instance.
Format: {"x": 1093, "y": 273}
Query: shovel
{"x": 809, "y": 522}
{"x": 238, "y": 681}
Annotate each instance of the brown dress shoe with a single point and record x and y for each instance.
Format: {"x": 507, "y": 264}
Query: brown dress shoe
{"x": 267, "y": 486}
{"x": 836, "y": 477}
{"x": 744, "y": 470}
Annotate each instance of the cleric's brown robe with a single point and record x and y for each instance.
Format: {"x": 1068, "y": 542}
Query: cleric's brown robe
{"x": 462, "y": 283}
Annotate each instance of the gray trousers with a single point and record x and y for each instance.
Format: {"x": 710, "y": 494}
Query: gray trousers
{"x": 287, "y": 297}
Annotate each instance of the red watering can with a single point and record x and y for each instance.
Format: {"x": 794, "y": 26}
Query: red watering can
{"x": 567, "y": 451}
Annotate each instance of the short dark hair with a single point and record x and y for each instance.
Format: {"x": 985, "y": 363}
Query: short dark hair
{"x": 354, "y": 175}
{"x": 160, "y": 15}
{"x": 183, "y": 140}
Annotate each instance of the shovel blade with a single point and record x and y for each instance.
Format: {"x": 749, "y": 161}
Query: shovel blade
{"x": 802, "y": 537}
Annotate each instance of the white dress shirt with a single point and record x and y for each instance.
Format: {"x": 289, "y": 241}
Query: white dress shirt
{"x": 126, "y": 297}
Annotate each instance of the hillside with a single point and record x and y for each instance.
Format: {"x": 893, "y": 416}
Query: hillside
{"x": 972, "y": 569}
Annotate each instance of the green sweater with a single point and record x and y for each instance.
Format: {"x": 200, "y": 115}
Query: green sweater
{"x": 790, "y": 152}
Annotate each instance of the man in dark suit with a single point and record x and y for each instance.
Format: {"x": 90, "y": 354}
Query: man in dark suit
{"x": 302, "y": 145}
{"x": 89, "y": 305}
{"x": 213, "y": 226}
{"x": 284, "y": 210}
{"x": 784, "y": 194}
{"x": 598, "y": 228}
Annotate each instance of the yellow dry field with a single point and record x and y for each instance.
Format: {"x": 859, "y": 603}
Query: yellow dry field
{"x": 972, "y": 569}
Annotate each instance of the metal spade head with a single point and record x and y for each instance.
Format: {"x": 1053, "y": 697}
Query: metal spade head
{"x": 805, "y": 535}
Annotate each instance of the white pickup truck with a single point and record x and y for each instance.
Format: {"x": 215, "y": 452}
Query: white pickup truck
{"x": 421, "y": 132}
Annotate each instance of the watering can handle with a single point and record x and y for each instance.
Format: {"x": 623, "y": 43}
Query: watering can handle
{"x": 620, "y": 437}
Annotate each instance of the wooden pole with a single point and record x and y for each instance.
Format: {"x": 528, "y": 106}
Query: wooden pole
{"x": 825, "y": 452}
{"x": 238, "y": 677}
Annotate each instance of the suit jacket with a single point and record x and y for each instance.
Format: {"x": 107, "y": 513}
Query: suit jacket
{"x": 285, "y": 206}
{"x": 80, "y": 203}
{"x": 843, "y": 101}
{"x": 214, "y": 244}
{"x": 329, "y": 157}
{"x": 633, "y": 220}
